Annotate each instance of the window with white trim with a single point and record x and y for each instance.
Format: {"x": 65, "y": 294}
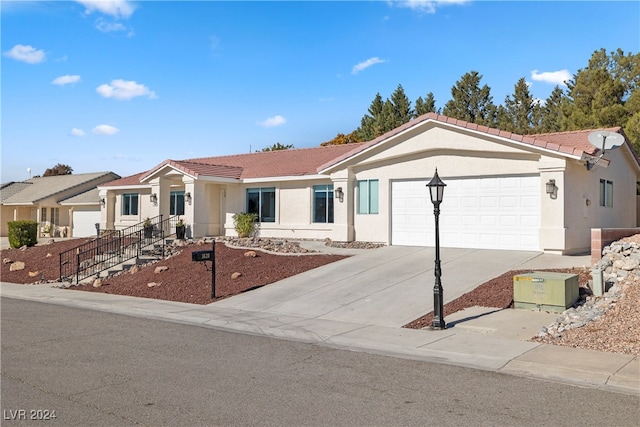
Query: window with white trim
{"x": 262, "y": 201}
{"x": 323, "y": 203}
{"x": 606, "y": 193}
{"x": 130, "y": 204}
{"x": 368, "y": 196}
{"x": 176, "y": 203}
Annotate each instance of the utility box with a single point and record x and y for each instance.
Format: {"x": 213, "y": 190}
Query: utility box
{"x": 545, "y": 291}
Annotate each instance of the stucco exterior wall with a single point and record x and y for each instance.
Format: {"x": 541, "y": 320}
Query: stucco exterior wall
{"x": 145, "y": 208}
{"x": 294, "y": 202}
{"x": 14, "y": 213}
{"x": 450, "y": 164}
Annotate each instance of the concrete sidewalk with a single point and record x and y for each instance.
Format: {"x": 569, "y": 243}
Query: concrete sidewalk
{"x": 360, "y": 304}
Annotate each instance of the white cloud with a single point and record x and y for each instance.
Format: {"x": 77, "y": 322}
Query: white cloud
{"x": 119, "y": 9}
{"x": 366, "y": 64}
{"x": 65, "y": 80}
{"x": 273, "y": 121}
{"x": 554, "y": 77}
{"x": 105, "y": 130}
{"x": 109, "y": 27}
{"x": 123, "y": 89}
{"x": 425, "y": 6}
{"x": 26, "y": 54}
{"x": 77, "y": 132}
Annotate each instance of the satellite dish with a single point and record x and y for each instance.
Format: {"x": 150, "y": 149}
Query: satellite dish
{"x": 605, "y": 140}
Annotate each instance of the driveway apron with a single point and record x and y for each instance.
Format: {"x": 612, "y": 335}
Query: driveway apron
{"x": 388, "y": 286}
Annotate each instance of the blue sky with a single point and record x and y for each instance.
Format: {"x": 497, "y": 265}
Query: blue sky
{"x": 121, "y": 86}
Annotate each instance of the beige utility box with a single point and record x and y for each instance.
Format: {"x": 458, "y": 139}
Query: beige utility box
{"x": 545, "y": 291}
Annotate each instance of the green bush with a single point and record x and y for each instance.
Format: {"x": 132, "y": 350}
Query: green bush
{"x": 23, "y": 233}
{"x": 245, "y": 223}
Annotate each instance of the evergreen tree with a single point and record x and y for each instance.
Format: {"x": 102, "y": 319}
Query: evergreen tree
{"x": 551, "y": 117}
{"x": 368, "y": 123}
{"x": 518, "y": 110}
{"x": 470, "y": 102}
{"x": 597, "y": 93}
{"x": 402, "y": 111}
{"x": 425, "y": 106}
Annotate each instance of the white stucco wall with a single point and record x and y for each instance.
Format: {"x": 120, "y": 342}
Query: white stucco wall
{"x": 294, "y": 202}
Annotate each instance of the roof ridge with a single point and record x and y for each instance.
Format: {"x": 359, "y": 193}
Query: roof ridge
{"x": 319, "y": 147}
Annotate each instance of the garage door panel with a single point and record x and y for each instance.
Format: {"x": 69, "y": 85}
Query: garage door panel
{"x": 491, "y": 213}
{"x": 84, "y": 223}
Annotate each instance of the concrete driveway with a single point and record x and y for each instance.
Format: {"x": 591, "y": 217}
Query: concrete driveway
{"x": 389, "y": 286}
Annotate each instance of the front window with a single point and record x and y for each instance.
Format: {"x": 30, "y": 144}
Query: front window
{"x": 55, "y": 216}
{"x": 606, "y": 193}
{"x": 176, "y": 203}
{"x": 368, "y": 196}
{"x": 323, "y": 203}
{"x": 130, "y": 204}
{"x": 262, "y": 201}
{"x": 43, "y": 214}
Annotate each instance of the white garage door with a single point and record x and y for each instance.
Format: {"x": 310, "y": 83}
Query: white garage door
{"x": 84, "y": 223}
{"x": 485, "y": 213}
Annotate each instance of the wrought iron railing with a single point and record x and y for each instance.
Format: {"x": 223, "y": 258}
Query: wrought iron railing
{"x": 114, "y": 247}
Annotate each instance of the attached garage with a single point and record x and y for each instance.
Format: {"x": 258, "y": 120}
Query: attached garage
{"x": 84, "y": 223}
{"x": 480, "y": 212}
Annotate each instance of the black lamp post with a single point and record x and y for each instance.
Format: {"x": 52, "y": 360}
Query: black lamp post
{"x": 436, "y": 188}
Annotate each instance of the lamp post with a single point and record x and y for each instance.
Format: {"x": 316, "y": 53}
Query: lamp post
{"x": 436, "y": 189}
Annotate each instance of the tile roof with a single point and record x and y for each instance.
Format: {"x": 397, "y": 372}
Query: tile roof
{"x": 262, "y": 164}
{"x": 43, "y": 187}
{"x": 311, "y": 161}
{"x": 573, "y": 143}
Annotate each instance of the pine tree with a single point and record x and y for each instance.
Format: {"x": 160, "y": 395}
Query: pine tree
{"x": 402, "y": 111}
{"x": 425, "y": 106}
{"x": 470, "y": 102}
{"x": 519, "y": 108}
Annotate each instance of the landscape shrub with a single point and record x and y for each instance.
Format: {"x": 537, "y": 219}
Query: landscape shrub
{"x": 21, "y": 233}
{"x": 245, "y": 223}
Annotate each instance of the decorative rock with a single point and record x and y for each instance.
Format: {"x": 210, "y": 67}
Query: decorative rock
{"x": 49, "y": 255}
{"x": 23, "y": 248}
{"x": 134, "y": 269}
{"x": 16, "y": 266}
{"x": 160, "y": 269}
{"x": 235, "y": 275}
{"x": 153, "y": 284}
{"x": 97, "y": 283}
{"x": 250, "y": 254}
{"x": 6, "y": 261}
{"x": 34, "y": 273}
{"x": 620, "y": 262}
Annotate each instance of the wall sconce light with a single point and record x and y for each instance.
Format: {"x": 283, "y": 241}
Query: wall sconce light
{"x": 187, "y": 197}
{"x": 339, "y": 194}
{"x": 153, "y": 198}
{"x": 103, "y": 202}
{"x": 551, "y": 188}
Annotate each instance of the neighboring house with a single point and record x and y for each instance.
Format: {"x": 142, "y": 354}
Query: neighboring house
{"x": 63, "y": 205}
{"x": 504, "y": 191}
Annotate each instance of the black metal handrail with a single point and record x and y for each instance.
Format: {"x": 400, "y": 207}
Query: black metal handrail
{"x": 114, "y": 247}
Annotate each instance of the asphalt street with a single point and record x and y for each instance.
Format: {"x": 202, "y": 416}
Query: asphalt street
{"x": 101, "y": 369}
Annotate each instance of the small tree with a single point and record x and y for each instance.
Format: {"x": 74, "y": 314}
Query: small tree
{"x": 58, "y": 169}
